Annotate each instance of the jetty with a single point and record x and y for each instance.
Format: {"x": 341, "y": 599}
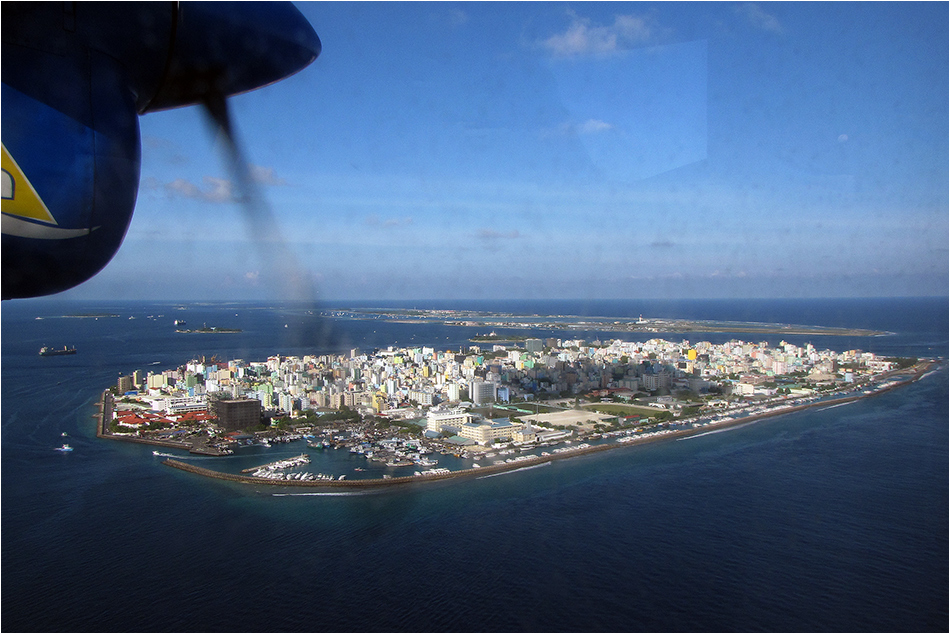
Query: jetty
{"x": 286, "y": 463}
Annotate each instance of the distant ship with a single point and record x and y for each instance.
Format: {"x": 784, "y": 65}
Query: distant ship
{"x": 55, "y": 352}
{"x": 180, "y": 322}
{"x": 64, "y": 448}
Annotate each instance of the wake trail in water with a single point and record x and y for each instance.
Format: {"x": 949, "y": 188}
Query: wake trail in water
{"x": 534, "y": 466}
{"x": 834, "y": 406}
{"x": 325, "y": 493}
{"x": 719, "y": 431}
{"x": 162, "y": 454}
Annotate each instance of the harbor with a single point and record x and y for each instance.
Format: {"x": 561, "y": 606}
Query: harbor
{"x": 271, "y": 474}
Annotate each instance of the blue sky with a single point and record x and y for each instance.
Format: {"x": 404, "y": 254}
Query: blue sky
{"x": 588, "y": 150}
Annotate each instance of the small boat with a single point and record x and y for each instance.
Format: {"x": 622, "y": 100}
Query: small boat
{"x": 64, "y": 448}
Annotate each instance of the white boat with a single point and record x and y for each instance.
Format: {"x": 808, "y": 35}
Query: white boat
{"x": 64, "y": 448}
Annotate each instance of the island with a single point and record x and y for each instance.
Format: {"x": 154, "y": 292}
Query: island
{"x": 205, "y": 330}
{"x": 399, "y": 412}
{"x": 510, "y": 321}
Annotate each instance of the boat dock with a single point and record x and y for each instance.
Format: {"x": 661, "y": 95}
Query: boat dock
{"x": 286, "y": 463}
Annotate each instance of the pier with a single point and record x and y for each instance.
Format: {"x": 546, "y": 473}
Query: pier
{"x": 286, "y": 463}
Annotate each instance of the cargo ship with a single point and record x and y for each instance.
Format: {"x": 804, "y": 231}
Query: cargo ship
{"x": 55, "y": 352}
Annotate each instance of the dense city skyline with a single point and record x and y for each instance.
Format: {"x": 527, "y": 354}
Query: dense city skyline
{"x": 552, "y": 150}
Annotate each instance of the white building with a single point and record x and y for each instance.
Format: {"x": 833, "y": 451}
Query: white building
{"x": 482, "y": 392}
{"x": 182, "y": 404}
{"x": 455, "y": 419}
{"x": 487, "y": 432}
{"x": 452, "y": 391}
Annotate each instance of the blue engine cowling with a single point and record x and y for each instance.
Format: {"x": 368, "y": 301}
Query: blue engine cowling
{"x": 75, "y": 77}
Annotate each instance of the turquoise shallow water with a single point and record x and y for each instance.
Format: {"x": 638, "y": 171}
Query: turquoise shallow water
{"x": 830, "y": 520}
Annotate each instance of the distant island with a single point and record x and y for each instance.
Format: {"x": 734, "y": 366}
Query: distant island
{"x": 80, "y": 316}
{"x": 205, "y": 330}
{"x": 511, "y": 321}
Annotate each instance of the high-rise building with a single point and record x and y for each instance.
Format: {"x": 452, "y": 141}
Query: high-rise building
{"x": 482, "y": 392}
{"x": 124, "y": 384}
{"x": 234, "y": 414}
{"x": 452, "y": 391}
{"x": 533, "y": 345}
{"x": 156, "y": 381}
{"x": 285, "y": 402}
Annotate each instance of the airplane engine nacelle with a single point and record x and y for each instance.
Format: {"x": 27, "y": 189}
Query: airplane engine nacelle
{"x": 75, "y": 77}
{"x": 70, "y": 175}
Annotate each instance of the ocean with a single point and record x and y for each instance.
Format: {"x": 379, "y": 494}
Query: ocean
{"x": 828, "y": 519}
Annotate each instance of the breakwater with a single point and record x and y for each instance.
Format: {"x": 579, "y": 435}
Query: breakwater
{"x": 380, "y": 482}
{"x": 917, "y": 372}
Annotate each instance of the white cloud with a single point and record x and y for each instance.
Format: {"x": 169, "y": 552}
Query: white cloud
{"x": 759, "y": 18}
{"x": 265, "y": 176}
{"x": 215, "y": 190}
{"x": 593, "y": 126}
{"x": 570, "y": 129}
{"x": 583, "y": 37}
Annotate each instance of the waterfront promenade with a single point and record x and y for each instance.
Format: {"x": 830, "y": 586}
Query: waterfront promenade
{"x": 916, "y": 373}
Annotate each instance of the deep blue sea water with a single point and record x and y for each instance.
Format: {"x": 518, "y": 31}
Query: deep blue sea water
{"x": 832, "y": 519}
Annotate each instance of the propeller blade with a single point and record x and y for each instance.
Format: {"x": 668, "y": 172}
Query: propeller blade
{"x": 280, "y": 266}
